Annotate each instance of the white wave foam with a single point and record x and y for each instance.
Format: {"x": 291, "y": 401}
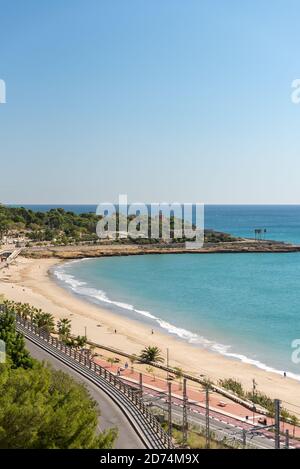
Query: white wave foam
{"x": 93, "y": 294}
{"x": 145, "y": 313}
{"x": 260, "y": 365}
{"x": 182, "y": 333}
{"x": 69, "y": 279}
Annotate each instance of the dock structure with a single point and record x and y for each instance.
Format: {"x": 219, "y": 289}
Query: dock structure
{"x": 8, "y": 255}
{"x": 260, "y": 233}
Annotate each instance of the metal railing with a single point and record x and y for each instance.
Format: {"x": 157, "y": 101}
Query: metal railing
{"x": 125, "y": 396}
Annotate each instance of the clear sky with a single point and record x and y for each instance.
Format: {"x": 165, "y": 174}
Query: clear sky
{"x": 185, "y": 100}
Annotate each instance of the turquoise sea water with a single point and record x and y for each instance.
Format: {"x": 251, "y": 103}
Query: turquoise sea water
{"x": 246, "y": 306}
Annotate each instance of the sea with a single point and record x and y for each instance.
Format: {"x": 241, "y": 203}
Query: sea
{"x": 243, "y": 306}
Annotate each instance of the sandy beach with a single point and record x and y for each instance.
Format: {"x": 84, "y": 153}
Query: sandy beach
{"x": 29, "y": 281}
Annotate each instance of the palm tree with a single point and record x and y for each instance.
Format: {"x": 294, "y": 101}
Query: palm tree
{"x": 294, "y": 422}
{"x": 26, "y": 311}
{"x": 111, "y": 360}
{"x": 92, "y": 352}
{"x": 80, "y": 341}
{"x": 32, "y": 313}
{"x": 44, "y": 321}
{"x": 151, "y": 354}
{"x": 64, "y": 328}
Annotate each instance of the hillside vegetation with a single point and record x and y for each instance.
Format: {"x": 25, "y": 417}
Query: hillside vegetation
{"x": 40, "y": 407}
{"x": 58, "y": 226}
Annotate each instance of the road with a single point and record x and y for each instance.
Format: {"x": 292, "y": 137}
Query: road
{"x": 111, "y": 415}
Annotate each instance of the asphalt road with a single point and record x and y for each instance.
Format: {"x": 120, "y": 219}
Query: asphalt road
{"x": 111, "y": 415}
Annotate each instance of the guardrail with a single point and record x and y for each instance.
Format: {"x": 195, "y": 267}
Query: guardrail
{"x": 125, "y": 396}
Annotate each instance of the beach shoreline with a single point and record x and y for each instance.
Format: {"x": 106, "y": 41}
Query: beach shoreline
{"x": 30, "y": 281}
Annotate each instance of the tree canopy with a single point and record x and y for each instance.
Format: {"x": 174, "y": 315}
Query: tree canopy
{"x": 41, "y": 407}
{"x": 14, "y": 342}
{"x": 151, "y": 354}
{"x": 60, "y": 226}
{"x": 44, "y": 408}
{"x": 46, "y": 226}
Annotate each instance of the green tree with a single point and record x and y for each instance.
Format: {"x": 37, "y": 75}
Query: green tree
{"x": 44, "y": 321}
{"x": 80, "y": 341}
{"x": 43, "y": 408}
{"x": 233, "y": 385}
{"x": 14, "y": 342}
{"x": 64, "y": 328}
{"x": 111, "y": 361}
{"x": 151, "y": 354}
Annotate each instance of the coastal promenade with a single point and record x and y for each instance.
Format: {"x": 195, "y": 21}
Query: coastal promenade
{"x": 223, "y": 411}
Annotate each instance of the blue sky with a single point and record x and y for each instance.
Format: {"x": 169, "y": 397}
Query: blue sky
{"x": 163, "y": 100}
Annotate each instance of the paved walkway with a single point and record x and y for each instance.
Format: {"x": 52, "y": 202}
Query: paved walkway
{"x": 221, "y": 408}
